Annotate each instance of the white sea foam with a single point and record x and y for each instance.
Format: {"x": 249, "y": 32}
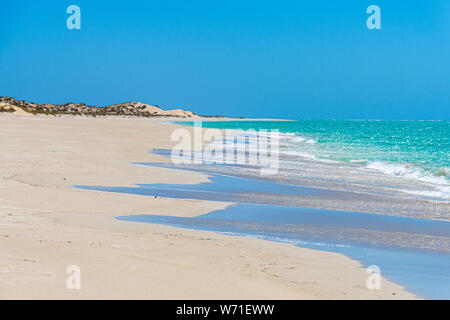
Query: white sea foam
{"x": 301, "y": 154}
{"x": 439, "y": 183}
{"x": 443, "y": 194}
{"x": 408, "y": 171}
{"x": 359, "y": 161}
{"x": 298, "y": 139}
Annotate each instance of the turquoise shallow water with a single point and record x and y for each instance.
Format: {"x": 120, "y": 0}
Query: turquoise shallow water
{"x": 416, "y": 150}
{"x": 424, "y": 143}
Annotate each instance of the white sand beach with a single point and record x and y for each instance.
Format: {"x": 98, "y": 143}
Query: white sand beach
{"x": 47, "y": 225}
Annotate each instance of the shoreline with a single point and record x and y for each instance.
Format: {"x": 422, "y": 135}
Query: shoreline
{"x": 47, "y": 225}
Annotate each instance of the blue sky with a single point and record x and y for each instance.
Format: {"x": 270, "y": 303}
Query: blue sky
{"x": 288, "y": 59}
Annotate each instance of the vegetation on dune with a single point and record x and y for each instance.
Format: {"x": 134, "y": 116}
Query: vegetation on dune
{"x": 132, "y": 109}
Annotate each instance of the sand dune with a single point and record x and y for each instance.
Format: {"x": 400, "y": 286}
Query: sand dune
{"x": 9, "y": 108}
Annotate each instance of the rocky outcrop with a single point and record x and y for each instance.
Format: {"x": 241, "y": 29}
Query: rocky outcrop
{"x": 131, "y": 109}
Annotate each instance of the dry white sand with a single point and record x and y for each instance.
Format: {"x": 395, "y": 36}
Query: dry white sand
{"x": 46, "y": 225}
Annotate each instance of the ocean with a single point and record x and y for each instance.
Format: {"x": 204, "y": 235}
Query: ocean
{"x": 418, "y": 151}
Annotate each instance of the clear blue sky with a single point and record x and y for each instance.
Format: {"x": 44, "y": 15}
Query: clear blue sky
{"x": 290, "y": 59}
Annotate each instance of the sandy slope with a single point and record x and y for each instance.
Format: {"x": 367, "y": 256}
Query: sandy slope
{"x": 46, "y": 225}
{"x": 16, "y": 110}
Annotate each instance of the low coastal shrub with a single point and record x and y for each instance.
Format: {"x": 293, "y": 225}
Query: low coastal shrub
{"x": 3, "y": 109}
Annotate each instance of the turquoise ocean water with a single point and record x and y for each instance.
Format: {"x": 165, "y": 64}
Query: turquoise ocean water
{"x": 418, "y": 151}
